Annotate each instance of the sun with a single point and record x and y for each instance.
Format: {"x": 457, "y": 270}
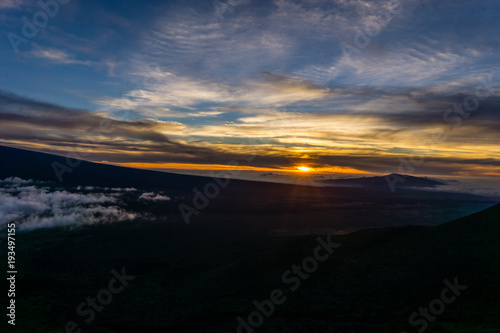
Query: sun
{"x": 304, "y": 168}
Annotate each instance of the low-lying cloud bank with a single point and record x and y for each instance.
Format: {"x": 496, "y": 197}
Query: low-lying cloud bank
{"x": 34, "y": 205}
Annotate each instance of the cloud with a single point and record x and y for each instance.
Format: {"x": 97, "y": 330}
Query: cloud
{"x": 269, "y": 80}
{"x": 32, "y": 207}
{"x": 407, "y": 66}
{"x": 170, "y": 90}
{"x": 362, "y": 137}
{"x": 85, "y": 188}
{"x": 5, "y": 4}
{"x": 105, "y": 189}
{"x": 91, "y": 131}
{"x": 151, "y": 196}
{"x": 57, "y": 56}
{"x": 15, "y": 181}
{"x": 127, "y": 189}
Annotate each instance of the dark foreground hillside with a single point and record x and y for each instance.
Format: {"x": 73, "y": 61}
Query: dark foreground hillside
{"x": 201, "y": 279}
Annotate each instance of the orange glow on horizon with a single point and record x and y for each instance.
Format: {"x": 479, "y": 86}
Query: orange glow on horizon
{"x": 216, "y": 167}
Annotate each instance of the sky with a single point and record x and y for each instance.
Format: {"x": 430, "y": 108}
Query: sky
{"x": 341, "y": 87}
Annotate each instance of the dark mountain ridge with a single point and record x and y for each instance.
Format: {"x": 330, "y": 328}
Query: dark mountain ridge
{"x": 399, "y": 181}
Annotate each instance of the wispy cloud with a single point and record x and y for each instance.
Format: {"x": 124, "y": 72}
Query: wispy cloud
{"x": 173, "y": 91}
{"x": 4, "y": 4}
{"x": 57, "y": 56}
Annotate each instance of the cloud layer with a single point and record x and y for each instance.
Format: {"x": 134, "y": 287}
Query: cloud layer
{"x": 34, "y": 205}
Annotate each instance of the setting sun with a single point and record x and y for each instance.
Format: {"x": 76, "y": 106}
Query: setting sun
{"x": 304, "y": 168}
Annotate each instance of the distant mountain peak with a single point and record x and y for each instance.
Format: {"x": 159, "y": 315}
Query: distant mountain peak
{"x": 406, "y": 181}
